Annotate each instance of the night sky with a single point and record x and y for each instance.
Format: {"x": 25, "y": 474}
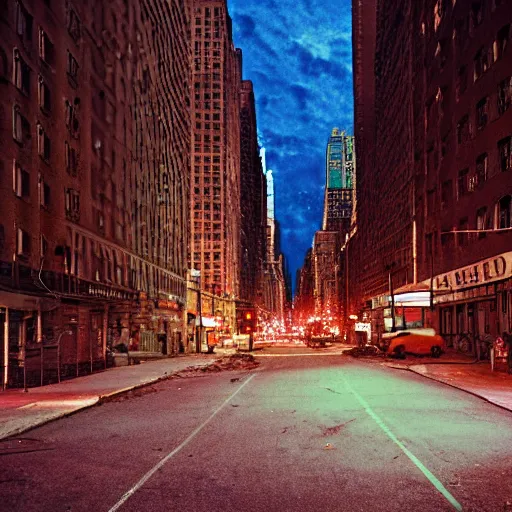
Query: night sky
{"x": 298, "y": 54}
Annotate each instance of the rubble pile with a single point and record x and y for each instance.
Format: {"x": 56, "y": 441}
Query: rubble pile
{"x": 232, "y": 362}
{"x": 367, "y": 350}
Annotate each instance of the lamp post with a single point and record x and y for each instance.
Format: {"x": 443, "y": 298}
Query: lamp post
{"x": 389, "y": 269}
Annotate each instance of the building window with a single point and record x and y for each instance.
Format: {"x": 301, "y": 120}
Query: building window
{"x": 501, "y": 43}
{"x": 482, "y": 62}
{"x": 505, "y": 153}
{"x": 72, "y": 123}
{"x": 43, "y": 143}
{"x": 21, "y": 73}
{"x": 439, "y": 10}
{"x": 20, "y": 126}
{"x": 462, "y": 81}
{"x": 46, "y": 48}
{"x": 72, "y": 70}
{"x": 477, "y": 13}
{"x": 503, "y": 213}
{"x": 72, "y": 204}
{"x": 482, "y": 221}
{"x": 463, "y": 130}
{"x": 482, "y": 113}
{"x": 463, "y": 238}
{"x": 504, "y": 95}
{"x": 21, "y": 181}
{"x": 44, "y": 193}
{"x": 462, "y": 183}
{"x": 446, "y": 193}
{"x": 45, "y": 100}
{"x": 24, "y": 22}
{"x": 73, "y": 25}
{"x": 71, "y": 159}
{"x": 22, "y": 243}
{"x": 481, "y": 168}
{"x": 100, "y": 220}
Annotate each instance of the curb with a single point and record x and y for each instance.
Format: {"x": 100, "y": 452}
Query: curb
{"x": 474, "y": 393}
{"x": 98, "y": 400}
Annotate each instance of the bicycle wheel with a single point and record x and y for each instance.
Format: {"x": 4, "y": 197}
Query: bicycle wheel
{"x": 464, "y": 344}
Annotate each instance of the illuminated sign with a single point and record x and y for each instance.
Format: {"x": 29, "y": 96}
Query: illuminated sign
{"x": 482, "y": 272}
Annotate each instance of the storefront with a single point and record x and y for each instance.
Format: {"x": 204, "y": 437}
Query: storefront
{"x": 473, "y": 303}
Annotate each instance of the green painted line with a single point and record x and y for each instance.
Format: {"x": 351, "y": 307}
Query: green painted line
{"x": 430, "y": 477}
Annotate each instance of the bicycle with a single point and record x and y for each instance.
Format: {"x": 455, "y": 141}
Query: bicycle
{"x": 464, "y": 343}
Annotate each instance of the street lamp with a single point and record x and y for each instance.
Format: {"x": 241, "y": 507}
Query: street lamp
{"x": 389, "y": 269}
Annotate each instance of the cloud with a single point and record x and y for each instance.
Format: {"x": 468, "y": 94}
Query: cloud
{"x": 298, "y": 55}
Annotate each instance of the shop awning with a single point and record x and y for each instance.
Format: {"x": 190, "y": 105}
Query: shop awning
{"x": 207, "y": 321}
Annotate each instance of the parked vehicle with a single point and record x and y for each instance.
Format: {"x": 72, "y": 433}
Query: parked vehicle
{"x": 414, "y": 341}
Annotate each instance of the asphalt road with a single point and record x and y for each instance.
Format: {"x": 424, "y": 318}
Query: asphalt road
{"x": 303, "y": 433}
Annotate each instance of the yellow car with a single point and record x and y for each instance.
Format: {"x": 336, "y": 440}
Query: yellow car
{"x": 413, "y": 341}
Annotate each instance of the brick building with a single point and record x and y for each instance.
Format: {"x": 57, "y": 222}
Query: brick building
{"x": 215, "y": 186}
{"x": 435, "y": 159}
{"x": 93, "y": 228}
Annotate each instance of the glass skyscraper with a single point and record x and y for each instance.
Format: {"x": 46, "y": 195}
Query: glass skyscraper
{"x": 339, "y": 186}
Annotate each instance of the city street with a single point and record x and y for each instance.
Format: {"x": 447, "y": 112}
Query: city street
{"x": 313, "y": 432}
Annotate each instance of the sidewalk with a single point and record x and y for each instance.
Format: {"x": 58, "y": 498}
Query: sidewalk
{"x": 21, "y": 411}
{"x": 463, "y": 372}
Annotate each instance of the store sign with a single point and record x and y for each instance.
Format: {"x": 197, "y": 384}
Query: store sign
{"x": 363, "y": 327}
{"x": 483, "y": 272}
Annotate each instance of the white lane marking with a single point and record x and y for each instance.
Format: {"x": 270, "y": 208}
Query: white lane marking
{"x": 28, "y": 406}
{"x": 152, "y": 471}
{"x": 429, "y": 475}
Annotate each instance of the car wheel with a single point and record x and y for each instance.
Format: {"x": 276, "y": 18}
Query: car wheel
{"x": 400, "y": 352}
{"x": 435, "y": 351}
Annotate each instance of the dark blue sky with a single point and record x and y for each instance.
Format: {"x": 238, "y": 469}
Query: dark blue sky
{"x": 298, "y": 54}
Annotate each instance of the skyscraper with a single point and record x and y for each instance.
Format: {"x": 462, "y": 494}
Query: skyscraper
{"x": 215, "y": 185}
{"x": 339, "y": 182}
{"x": 253, "y": 192}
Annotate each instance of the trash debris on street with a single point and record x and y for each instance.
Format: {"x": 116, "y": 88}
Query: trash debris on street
{"x": 231, "y": 362}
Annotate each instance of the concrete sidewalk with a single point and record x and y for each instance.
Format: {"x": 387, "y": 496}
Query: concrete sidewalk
{"x": 21, "y": 411}
{"x": 463, "y": 372}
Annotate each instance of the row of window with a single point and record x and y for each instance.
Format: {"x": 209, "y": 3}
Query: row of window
{"x": 485, "y": 219}
{"x": 208, "y": 126}
{"x": 468, "y": 181}
{"x": 499, "y": 217}
{"x": 21, "y": 133}
{"x": 206, "y": 226}
{"x": 25, "y": 22}
{"x": 486, "y": 111}
{"x": 476, "y": 13}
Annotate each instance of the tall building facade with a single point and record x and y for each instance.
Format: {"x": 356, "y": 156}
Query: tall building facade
{"x": 304, "y": 303}
{"x": 325, "y": 263}
{"x": 215, "y": 188}
{"x": 435, "y": 214}
{"x": 274, "y": 293}
{"x": 253, "y": 202}
{"x": 93, "y": 228}
{"x": 339, "y": 182}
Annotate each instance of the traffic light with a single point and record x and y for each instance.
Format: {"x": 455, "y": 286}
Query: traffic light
{"x": 248, "y": 322}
